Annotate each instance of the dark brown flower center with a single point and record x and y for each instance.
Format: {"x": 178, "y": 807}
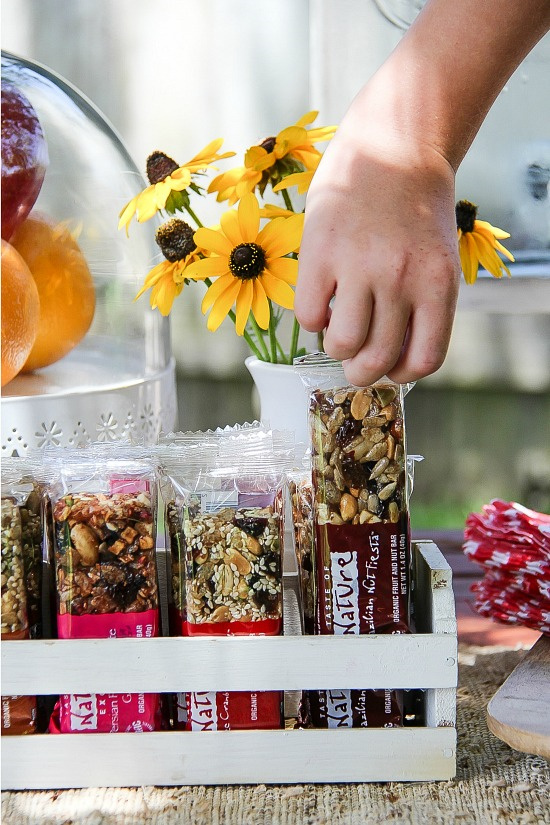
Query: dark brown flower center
{"x": 247, "y": 261}
{"x": 159, "y": 166}
{"x": 175, "y": 239}
{"x": 466, "y": 214}
{"x": 268, "y": 144}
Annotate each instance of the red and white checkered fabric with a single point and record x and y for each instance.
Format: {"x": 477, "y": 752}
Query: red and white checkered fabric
{"x": 512, "y": 544}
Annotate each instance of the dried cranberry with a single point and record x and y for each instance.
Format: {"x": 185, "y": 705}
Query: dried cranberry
{"x": 264, "y": 597}
{"x": 347, "y": 432}
{"x": 355, "y": 474}
{"x": 251, "y": 525}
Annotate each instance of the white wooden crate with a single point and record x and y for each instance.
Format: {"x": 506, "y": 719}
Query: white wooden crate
{"x": 426, "y": 659}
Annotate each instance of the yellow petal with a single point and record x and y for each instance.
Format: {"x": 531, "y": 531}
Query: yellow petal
{"x": 309, "y": 117}
{"x": 504, "y": 251}
{"x": 153, "y": 276}
{"x": 299, "y": 179}
{"x": 249, "y": 218}
{"x": 288, "y": 139}
{"x": 179, "y": 180}
{"x": 207, "y": 268}
{"x": 282, "y": 238}
{"x": 286, "y": 269}
{"x": 487, "y": 255}
{"x": 494, "y": 230}
{"x": 277, "y": 290}
{"x": 223, "y": 305}
{"x": 260, "y": 305}
{"x": 213, "y": 241}
{"x": 322, "y": 133}
{"x": 257, "y": 155}
{"x": 269, "y": 210}
{"x": 215, "y": 290}
{"x": 244, "y": 303}
{"x": 145, "y": 204}
{"x": 127, "y": 214}
{"x": 309, "y": 157}
{"x": 162, "y": 193}
{"x": 230, "y": 224}
{"x": 468, "y": 257}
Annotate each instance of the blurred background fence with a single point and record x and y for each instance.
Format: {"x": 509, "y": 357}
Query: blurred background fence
{"x": 174, "y": 74}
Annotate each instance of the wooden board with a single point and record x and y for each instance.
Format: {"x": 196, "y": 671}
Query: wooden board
{"x": 519, "y": 712}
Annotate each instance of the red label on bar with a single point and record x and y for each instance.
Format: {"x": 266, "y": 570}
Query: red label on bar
{"x": 237, "y": 710}
{"x": 363, "y": 578}
{"x": 264, "y": 627}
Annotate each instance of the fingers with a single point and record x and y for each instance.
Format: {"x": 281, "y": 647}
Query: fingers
{"x": 312, "y": 297}
{"x": 383, "y": 344}
{"x": 427, "y": 343}
{"x": 349, "y": 320}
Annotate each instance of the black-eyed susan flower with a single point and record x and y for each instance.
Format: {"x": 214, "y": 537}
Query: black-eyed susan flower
{"x": 166, "y": 280}
{"x": 291, "y": 151}
{"x": 478, "y": 242}
{"x": 168, "y": 183}
{"x": 249, "y": 265}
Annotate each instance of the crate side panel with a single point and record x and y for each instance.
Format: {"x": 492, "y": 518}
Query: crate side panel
{"x": 221, "y": 757}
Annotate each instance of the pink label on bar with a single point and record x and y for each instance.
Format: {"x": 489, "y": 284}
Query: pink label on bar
{"x": 124, "y": 484}
{"x": 106, "y": 713}
{"x": 109, "y": 625}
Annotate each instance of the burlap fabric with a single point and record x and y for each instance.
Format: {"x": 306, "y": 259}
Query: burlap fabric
{"x": 494, "y": 785}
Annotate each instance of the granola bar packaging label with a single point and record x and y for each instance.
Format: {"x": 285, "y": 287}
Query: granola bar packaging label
{"x": 105, "y": 713}
{"x": 363, "y": 578}
{"x": 355, "y": 708}
{"x": 237, "y": 710}
{"x": 18, "y": 715}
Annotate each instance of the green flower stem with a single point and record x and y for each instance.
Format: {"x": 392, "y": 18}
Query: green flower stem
{"x": 246, "y": 335}
{"x": 320, "y": 343}
{"x": 294, "y": 341}
{"x": 296, "y": 325}
{"x": 197, "y": 221}
{"x": 272, "y": 337}
{"x": 259, "y": 337}
{"x": 286, "y": 198}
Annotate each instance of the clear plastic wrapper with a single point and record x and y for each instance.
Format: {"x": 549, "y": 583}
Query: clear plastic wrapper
{"x": 22, "y": 531}
{"x": 360, "y": 531}
{"x": 301, "y": 500}
{"x": 224, "y": 495}
{"x": 104, "y": 512}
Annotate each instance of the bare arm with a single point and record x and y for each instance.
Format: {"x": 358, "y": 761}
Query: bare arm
{"x": 380, "y": 230}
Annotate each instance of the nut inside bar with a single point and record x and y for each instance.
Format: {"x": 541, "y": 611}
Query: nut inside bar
{"x": 105, "y": 556}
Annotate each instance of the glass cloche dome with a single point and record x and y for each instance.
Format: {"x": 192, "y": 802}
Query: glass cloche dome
{"x": 119, "y": 379}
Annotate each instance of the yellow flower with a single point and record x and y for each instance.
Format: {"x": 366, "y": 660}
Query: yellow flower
{"x": 165, "y": 178}
{"x": 166, "y": 280}
{"x": 478, "y": 242}
{"x": 292, "y": 151}
{"x": 249, "y": 264}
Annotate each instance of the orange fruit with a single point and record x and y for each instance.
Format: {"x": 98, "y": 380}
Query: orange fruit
{"x": 65, "y": 287}
{"x": 20, "y": 312}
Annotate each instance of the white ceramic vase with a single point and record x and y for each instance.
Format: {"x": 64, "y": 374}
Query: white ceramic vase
{"x": 283, "y": 397}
